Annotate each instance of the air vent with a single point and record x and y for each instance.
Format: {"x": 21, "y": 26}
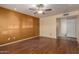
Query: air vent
{"x": 65, "y": 14}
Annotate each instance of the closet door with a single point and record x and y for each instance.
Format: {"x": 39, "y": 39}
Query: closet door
{"x": 61, "y": 27}
{"x": 71, "y": 28}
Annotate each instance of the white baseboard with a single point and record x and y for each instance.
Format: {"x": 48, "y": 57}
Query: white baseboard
{"x": 47, "y": 37}
{"x": 17, "y": 41}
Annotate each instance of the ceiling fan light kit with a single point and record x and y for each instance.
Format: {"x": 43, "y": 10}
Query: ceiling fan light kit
{"x": 40, "y": 12}
{"x": 39, "y": 9}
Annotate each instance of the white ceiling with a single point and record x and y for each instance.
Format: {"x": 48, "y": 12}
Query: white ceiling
{"x": 56, "y": 8}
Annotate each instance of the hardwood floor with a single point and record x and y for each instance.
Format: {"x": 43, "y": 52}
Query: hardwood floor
{"x": 41, "y": 45}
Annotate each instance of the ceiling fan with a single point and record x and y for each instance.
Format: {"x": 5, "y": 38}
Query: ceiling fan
{"x": 39, "y": 9}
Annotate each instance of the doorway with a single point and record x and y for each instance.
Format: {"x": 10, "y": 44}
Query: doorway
{"x": 66, "y": 27}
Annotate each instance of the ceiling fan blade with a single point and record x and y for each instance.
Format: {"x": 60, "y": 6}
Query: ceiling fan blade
{"x": 43, "y": 13}
{"x": 48, "y": 9}
{"x": 32, "y": 9}
{"x": 35, "y": 12}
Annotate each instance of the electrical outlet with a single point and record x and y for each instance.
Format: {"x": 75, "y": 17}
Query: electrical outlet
{"x": 9, "y": 38}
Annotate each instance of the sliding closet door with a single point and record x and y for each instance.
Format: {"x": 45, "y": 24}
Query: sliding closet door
{"x": 71, "y": 28}
{"x": 61, "y": 28}
{"x": 66, "y": 27}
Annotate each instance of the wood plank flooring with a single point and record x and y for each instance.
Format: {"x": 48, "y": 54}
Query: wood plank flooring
{"x": 42, "y": 45}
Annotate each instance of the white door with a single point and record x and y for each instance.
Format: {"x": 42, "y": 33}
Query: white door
{"x": 62, "y": 28}
{"x": 71, "y": 28}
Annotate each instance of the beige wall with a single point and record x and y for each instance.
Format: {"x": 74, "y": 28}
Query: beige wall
{"x": 48, "y": 25}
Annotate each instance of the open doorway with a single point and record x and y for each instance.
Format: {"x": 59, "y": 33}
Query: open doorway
{"x": 66, "y": 27}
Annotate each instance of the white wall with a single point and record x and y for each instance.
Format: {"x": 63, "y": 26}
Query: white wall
{"x": 63, "y": 27}
{"x": 48, "y": 27}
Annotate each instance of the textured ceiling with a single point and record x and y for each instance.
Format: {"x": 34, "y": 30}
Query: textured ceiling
{"x": 56, "y": 8}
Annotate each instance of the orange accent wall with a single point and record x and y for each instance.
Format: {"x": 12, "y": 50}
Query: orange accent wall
{"x": 16, "y": 26}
